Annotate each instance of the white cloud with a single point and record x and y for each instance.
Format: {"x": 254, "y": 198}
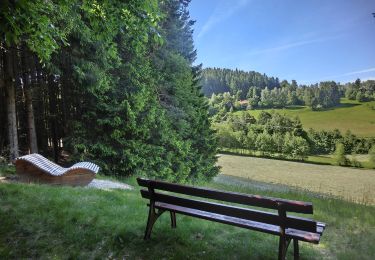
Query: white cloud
{"x": 290, "y": 45}
{"x": 351, "y": 73}
{"x": 223, "y": 11}
{"x": 356, "y": 72}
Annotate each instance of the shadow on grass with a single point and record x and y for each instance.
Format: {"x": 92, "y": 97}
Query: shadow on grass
{"x": 295, "y": 107}
{"x": 273, "y": 158}
{"x": 342, "y": 105}
{"x": 348, "y": 105}
{"x": 268, "y": 187}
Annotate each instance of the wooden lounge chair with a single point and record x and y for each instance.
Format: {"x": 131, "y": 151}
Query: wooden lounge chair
{"x": 36, "y": 168}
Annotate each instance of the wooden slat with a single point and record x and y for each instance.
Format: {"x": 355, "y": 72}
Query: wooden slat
{"x": 53, "y": 169}
{"x": 233, "y": 197}
{"x": 249, "y": 224}
{"x": 247, "y": 214}
{"x": 320, "y": 227}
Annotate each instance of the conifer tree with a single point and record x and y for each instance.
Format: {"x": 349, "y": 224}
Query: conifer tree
{"x": 180, "y": 94}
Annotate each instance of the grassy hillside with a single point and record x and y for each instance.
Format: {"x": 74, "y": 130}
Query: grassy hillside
{"x": 40, "y": 221}
{"x": 351, "y": 115}
{"x": 348, "y": 183}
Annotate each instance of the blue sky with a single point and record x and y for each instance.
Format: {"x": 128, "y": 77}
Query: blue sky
{"x": 306, "y": 40}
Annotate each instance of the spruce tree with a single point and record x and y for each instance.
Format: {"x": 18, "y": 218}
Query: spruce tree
{"x": 181, "y": 95}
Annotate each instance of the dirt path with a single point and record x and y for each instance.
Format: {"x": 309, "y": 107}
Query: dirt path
{"x": 105, "y": 185}
{"x": 97, "y": 184}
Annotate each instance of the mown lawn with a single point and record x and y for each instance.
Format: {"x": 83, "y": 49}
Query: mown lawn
{"x": 357, "y": 117}
{"x": 348, "y": 183}
{"x": 39, "y": 221}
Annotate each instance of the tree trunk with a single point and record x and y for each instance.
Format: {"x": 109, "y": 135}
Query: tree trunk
{"x": 53, "y": 115}
{"x": 3, "y": 114}
{"x": 30, "y": 121}
{"x": 11, "y": 104}
{"x": 42, "y": 111}
{"x": 28, "y": 78}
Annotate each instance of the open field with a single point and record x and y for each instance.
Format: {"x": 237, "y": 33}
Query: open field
{"x": 351, "y": 115}
{"x": 326, "y": 159}
{"x": 348, "y": 183}
{"x": 39, "y": 221}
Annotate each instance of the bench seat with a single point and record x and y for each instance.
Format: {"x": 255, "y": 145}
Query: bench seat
{"x": 249, "y": 224}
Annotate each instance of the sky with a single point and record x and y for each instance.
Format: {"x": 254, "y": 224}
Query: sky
{"x": 306, "y": 40}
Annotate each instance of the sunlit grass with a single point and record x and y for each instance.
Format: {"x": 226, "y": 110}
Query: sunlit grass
{"x": 348, "y": 183}
{"x": 357, "y": 117}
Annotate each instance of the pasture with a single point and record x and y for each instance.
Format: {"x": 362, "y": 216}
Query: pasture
{"x": 348, "y": 183}
{"x": 357, "y": 117}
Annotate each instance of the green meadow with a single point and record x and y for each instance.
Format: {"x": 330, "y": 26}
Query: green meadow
{"x": 43, "y": 222}
{"x": 357, "y": 117}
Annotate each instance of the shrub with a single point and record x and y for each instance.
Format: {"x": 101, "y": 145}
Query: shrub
{"x": 371, "y": 154}
{"x": 339, "y": 155}
{"x": 354, "y": 162}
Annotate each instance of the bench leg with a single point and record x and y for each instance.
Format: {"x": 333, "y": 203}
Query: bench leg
{"x": 152, "y": 217}
{"x": 296, "y": 249}
{"x": 173, "y": 219}
{"x": 282, "y": 248}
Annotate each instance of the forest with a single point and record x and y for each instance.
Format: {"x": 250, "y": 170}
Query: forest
{"x": 112, "y": 82}
{"x": 239, "y": 90}
{"x": 275, "y": 134}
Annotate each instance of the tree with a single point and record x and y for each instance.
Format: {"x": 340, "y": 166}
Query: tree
{"x": 371, "y": 154}
{"x": 264, "y": 143}
{"x": 226, "y": 137}
{"x": 180, "y": 93}
{"x": 339, "y": 156}
{"x": 300, "y": 148}
{"x": 250, "y": 141}
{"x": 112, "y": 82}
{"x": 360, "y": 97}
{"x": 29, "y": 29}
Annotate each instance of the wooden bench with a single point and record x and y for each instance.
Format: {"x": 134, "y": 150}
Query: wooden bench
{"x": 38, "y": 169}
{"x": 287, "y": 227}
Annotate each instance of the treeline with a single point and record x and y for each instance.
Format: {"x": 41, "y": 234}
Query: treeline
{"x": 269, "y": 134}
{"x": 275, "y": 134}
{"x": 320, "y": 96}
{"x": 217, "y": 80}
{"x": 251, "y": 90}
{"x": 360, "y": 91}
{"x": 111, "y": 82}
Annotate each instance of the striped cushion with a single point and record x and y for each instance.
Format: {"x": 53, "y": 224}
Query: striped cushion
{"x": 56, "y": 170}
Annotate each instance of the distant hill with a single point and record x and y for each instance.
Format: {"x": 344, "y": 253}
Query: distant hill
{"x": 218, "y": 80}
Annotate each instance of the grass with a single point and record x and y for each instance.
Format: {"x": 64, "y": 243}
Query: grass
{"x": 357, "y": 117}
{"x": 347, "y": 183}
{"x": 324, "y": 159}
{"x": 39, "y": 221}
{"x": 363, "y": 159}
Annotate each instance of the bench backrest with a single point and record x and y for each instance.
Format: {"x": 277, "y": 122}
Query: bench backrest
{"x": 281, "y": 205}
